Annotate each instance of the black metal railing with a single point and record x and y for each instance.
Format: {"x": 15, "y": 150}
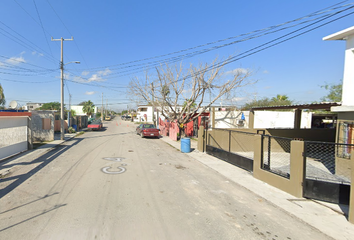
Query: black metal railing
{"x": 275, "y": 155}
{"x": 327, "y": 161}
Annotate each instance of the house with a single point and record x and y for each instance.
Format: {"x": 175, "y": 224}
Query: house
{"x": 345, "y": 123}
{"x": 33, "y": 106}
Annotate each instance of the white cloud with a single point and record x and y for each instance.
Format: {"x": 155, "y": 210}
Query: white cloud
{"x": 265, "y": 72}
{"x": 238, "y": 99}
{"x": 98, "y": 76}
{"x": 85, "y": 73}
{"x": 237, "y": 71}
{"x": 89, "y": 93}
{"x": 16, "y": 60}
{"x": 37, "y": 53}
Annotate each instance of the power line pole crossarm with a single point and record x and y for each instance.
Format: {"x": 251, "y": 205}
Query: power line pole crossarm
{"x": 62, "y": 86}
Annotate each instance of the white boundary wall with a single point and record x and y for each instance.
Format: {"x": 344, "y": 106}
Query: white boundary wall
{"x": 13, "y": 135}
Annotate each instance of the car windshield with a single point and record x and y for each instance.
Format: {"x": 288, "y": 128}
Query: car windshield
{"x": 96, "y": 122}
{"x": 148, "y": 126}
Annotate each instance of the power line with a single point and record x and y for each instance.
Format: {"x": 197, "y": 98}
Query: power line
{"x": 67, "y": 30}
{"x": 319, "y": 12}
{"x": 40, "y": 20}
{"x": 251, "y": 51}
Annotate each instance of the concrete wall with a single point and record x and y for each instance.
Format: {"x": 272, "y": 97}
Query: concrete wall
{"x": 43, "y": 126}
{"x": 231, "y": 119}
{"x": 276, "y": 119}
{"x": 262, "y": 119}
{"x": 14, "y": 135}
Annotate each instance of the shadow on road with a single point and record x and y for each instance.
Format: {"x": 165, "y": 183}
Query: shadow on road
{"x": 44, "y": 160}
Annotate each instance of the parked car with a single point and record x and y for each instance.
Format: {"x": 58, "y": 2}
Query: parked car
{"x": 108, "y": 118}
{"x": 95, "y": 125}
{"x": 127, "y": 118}
{"x": 147, "y": 130}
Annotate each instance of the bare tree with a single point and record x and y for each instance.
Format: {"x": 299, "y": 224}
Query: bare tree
{"x": 179, "y": 94}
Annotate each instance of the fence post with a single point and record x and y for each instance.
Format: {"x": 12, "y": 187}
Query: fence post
{"x": 229, "y": 141}
{"x": 351, "y": 197}
{"x": 297, "y": 168}
{"x": 201, "y": 139}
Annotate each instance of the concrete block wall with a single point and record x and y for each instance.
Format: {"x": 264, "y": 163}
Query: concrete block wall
{"x": 13, "y": 132}
{"x": 43, "y": 125}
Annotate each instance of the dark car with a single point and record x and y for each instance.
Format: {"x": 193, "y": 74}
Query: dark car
{"x": 147, "y": 130}
{"x": 95, "y": 125}
{"x": 127, "y": 118}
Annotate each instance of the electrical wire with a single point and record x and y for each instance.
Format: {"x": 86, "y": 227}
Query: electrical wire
{"x": 319, "y": 12}
{"x": 77, "y": 46}
{"x": 40, "y": 20}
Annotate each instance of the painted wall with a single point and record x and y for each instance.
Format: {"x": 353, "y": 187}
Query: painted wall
{"x": 13, "y": 132}
{"x": 275, "y": 119}
{"x": 263, "y": 119}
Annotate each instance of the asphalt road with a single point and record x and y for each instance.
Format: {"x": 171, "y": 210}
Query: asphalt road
{"x": 113, "y": 184}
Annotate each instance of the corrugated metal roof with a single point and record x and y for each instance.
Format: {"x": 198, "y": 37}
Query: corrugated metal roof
{"x": 324, "y": 106}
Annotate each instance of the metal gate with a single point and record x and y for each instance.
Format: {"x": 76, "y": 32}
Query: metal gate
{"x": 327, "y": 171}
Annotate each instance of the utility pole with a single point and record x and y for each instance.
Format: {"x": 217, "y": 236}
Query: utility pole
{"x": 69, "y": 112}
{"x": 102, "y": 109}
{"x": 153, "y": 109}
{"x": 62, "y": 87}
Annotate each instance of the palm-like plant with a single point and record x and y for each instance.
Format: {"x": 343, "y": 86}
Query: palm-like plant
{"x": 2, "y": 96}
{"x": 88, "y": 108}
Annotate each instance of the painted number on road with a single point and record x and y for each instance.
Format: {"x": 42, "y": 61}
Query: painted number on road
{"x": 114, "y": 159}
{"x": 105, "y": 170}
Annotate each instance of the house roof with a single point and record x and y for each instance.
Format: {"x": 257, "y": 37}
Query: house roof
{"x": 324, "y": 106}
{"x": 341, "y": 35}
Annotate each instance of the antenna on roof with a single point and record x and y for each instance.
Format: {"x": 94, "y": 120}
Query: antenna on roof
{"x": 13, "y": 105}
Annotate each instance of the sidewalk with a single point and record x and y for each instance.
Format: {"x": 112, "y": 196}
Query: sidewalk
{"x": 327, "y": 218}
{"x": 25, "y": 156}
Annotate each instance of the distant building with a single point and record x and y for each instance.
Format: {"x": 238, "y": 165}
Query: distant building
{"x": 33, "y": 106}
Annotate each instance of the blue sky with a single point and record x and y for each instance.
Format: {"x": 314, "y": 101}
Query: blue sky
{"x": 108, "y": 34}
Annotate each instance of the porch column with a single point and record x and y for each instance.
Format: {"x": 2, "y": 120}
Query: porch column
{"x": 297, "y": 120}
{"x": 251, "y": 120}
{"x": 351, "y": 197}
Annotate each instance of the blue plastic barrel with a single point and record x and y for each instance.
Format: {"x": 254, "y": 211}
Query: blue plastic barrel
{"x": 185, "y": 145}
{"x": 75, "y": 127}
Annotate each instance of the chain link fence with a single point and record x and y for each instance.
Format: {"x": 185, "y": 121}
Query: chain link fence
{"x": 328, "y": 161}
{"x": 276, "y": 155}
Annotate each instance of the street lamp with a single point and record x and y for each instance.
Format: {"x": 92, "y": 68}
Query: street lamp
{"x": 62, "y": 97}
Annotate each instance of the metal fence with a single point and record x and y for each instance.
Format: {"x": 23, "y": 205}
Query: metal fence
{"x": 235, "y": 147}
{"x": 233, "y": 141}
{"x": 328, "y": 161}
{"x": 276, "y": 155}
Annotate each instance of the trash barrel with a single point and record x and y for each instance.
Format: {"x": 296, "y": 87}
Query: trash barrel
{"x": 75, "y": 127}
{"x": 185, "y": 145}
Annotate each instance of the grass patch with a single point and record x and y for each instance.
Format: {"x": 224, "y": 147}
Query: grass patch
{"x": 79, "y": 133}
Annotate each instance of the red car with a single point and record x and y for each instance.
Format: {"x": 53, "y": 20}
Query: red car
{"x": 95, "y": 125}
{"x": 147, "y": 130}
